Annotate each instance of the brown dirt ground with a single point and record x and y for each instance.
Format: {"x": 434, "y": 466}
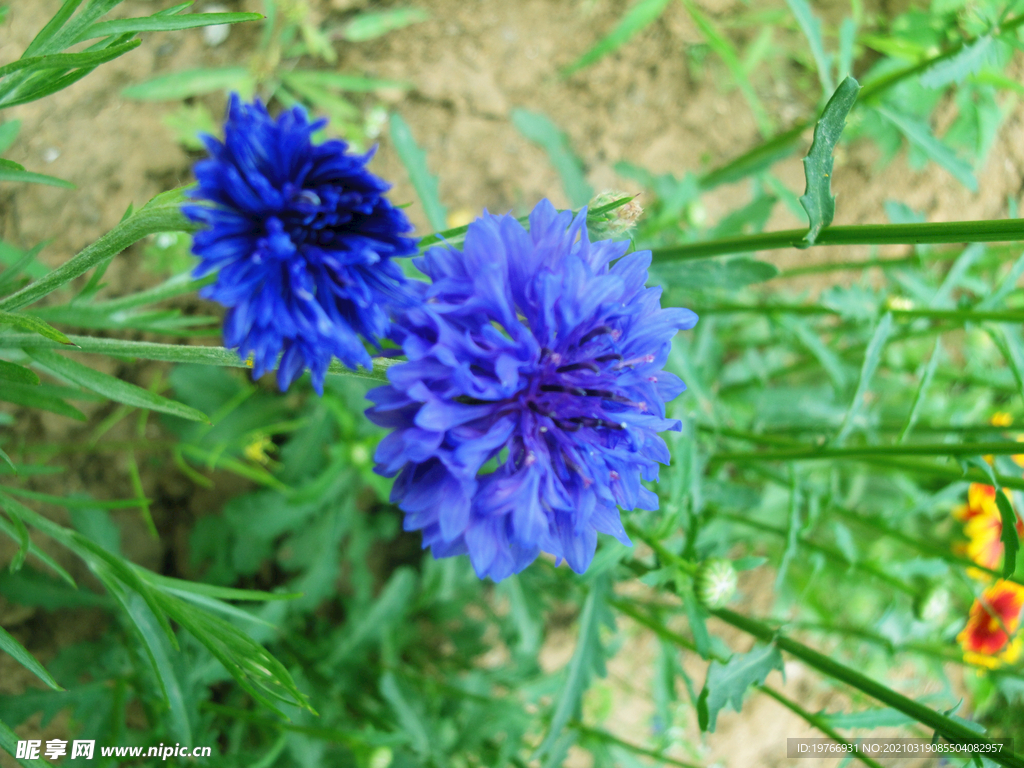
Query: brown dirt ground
{"x": 470, "y": 64}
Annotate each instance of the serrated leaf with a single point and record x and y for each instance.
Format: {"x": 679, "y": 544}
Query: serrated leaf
{"x": 15, "y": 173}
{"x": 810, "y": 25}
{"x": 727, "y": 683}
{"x": 193, "y": 82}
{"x": 970, "y": 60}
{"x": 11, "y": 646}
{"x": 159, "y": 23}
{"x": 34, "y": 325}
{"x": 115, "y": 389}
{"x": 920, "y": 135}
{"x": 541, "y": 131}
{"x": 698, "y": 275}
{"x": 634, "y": 20}
{"x": 17, "y": 373}
{"x": 370, "y": 25}
{"x": 37, "y": 396}
{"x": 817, "y": 199}
{"x": 423, "y": 181}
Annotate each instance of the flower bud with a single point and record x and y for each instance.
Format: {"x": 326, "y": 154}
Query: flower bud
{"x": 715, "y": 582}
{"x": 614, "y": 223}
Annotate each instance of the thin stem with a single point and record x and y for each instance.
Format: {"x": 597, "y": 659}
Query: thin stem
{"x": 175, "y": 353}
{"x": 1002, "y": 230}
{"x": 804, "y": 452}
{"x": 948, "y": 728}
{"x": 948, "y": 315}
{"x": 609, "y": 738}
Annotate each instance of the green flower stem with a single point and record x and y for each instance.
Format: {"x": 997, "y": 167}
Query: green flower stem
{"x": 1001, "y": 230}
{"x": 175, "y": 353}
{"x": 947, "y": 315}
{"x": 949, "y": 729}
{"x": 676, "y": 639}
{"x": 161, "y": 214}
{"x": 1001, "y": 448}
{"x": 832, "y": 554}
{"x": 608, "y": 738}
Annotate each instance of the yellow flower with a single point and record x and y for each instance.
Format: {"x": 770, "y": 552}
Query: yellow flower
{"x": 988, "y": 639}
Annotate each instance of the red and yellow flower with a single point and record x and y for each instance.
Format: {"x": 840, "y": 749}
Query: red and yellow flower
{"x": 990, "y": 638}
{"x": 983, "y": 527}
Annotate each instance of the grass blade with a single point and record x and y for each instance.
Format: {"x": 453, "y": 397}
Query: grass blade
{"x": 115, "y": 389}
{"x": 16, "y": 173}
{"x": 872, "y": 357}
{"x": 34, "y": 325}
{"x": 415, "y": 161}
{"x": 11, "y": 646}
{"x": 926, "y": 382}
{"x": 544, "y": 133}
{"x": 193, "y": 82}
{"x": 634, "y": 20}
{"x": 370, "y": 25}
{"x": 810, "y": 25}
{"x": 163, "y": 23}
{"x": 17, "y": 373}
{"x": 818, "y": 200}
{"x": 36, "y": 396}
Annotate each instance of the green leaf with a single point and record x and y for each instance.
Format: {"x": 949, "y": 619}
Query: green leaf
{"x": 587, "y": 659}
{"x": 817, "y": 199}
{"x": 9, "y": 739}
{"x": 411, "y": 722}
{"x": 635, "y": 19}
{"x": 17, "y": 373}
{"x": 370, "y": 25}
{"x": 415, "y": 161}
{"x": 970, "y": 60}
{"x": 541, "y": 131}
{"x": 1009, "y": 537}
{"x": 390, "y": 607}
{"x": 926, "y": 382}
{"x": 727, "y": 52}
{"x": 34, "y": 325}
{"x": 13, "y": 172}
{"x": 7, "y": 460}
{"x": 920, "y": 135}
{"x": 351, "y": 83}
{"x": 727, "y": 683}
{"x": 810, "y": 25}
{"x": 36, "y": 396}
{"x": 8, "y": 133}
{"x": 53, "y": 26}
{"x": 1008, "y": 340}
{"x": 31, "y": 587}
{"x": 159, "y": 23}
{"x": 699, "y": 275}
{"x": 872, "y": 357}
{"x": 115, "y": 389}
{"x": 193, "y": 82}
{"x": 67, "y": 60}
{"x": 11, "y": 646}
{"x": 883, "y": 717}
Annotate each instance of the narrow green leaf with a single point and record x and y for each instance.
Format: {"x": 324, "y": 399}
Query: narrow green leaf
{"x": 1009, "y": 537}
{"x": 700, "y": 275}
{"x": 410, "y": 720}
{"x": 34, "y": 325}
{"x": 68, "y": 60}
{"x": 163, "y": 23}
{"x": 847, "y": 37}
{"x": 115, "y": 389}
{"x": 24, "y": 542}
{"x": 872, "y": 357}
{"x": 727, "y": 683}
{"x": 920, "y": 135}
{"x": 883, "y": 717}
{"x": 68, "y": 502}
{"x": 194, "y": 82}
{"x": 1007, "y": 339}
{"x": 7, "y": 527}
{"x": 1006, "y": 285}
{"x": 415, "y": 161}
{"x": 15, "y": 173}
{"x": 11, "y": 646}
{"x": 634, "y": 20}
{"x": 727, "y": 53}
{"x": 7, "y": 460}
{"x": 8, "y": 133}
{"x": 17, "y": 373}
{"x": 34, "y": 396}
{"x": 9, "y": 740}
{"x": 818, "y": 199}
{"x": 697, "y": 618}
{"x": 922, "y": 389}
{"x": 351, "y": 83}
{"x": 53, "y": 26}
{"x": 830, "y": 361}
{"x": 810, "y": 25}
{"x": 970, "y": 60}
{"x": 373, "y": 24}
{"x": 541, "y": 131}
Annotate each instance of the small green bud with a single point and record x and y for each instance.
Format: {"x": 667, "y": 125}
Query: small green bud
{"x": 932, "y": 603}
{"x": 715, "y": 582}
{"x": 614, "y": 223}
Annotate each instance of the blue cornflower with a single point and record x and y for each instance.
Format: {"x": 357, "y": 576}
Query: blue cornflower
{"x": 530, "y": 405}
{"x": 303, "y": 240}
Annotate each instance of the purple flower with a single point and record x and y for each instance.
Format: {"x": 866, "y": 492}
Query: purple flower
{"x": 303, "y": 240}
{"x": 530, "y": 406}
